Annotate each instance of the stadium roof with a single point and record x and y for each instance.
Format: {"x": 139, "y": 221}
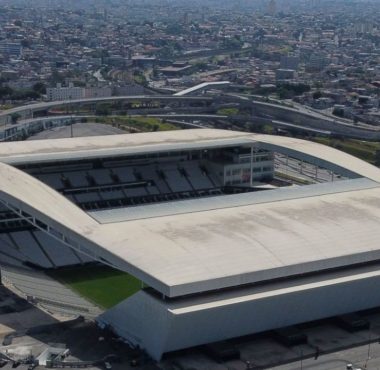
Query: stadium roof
{"x": 211, "y": 248}
{"x": 16, "y": 153}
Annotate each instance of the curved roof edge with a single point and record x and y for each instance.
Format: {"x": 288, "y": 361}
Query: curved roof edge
{"x": 130, "y": 144}
{"x": 30, "y": 196}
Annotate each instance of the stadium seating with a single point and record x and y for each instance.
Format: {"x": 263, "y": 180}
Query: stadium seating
{"x": 29, "y": 247}
{"x": 59, "y": 254}
{"x": 176, "y": 180}
{"x": 102, "y": 177}
{"x": 77, "y": 179}
{"x": 53, "y": 180}
{"x": 114, "y": 185}
{"x": 47, "y": 292}
{"x": 125, "y": 174}
{"x": 87, "y": 197}
{"x": 116, "y": 194}
{"x": 9, "y": 253}
{"x": 198, "y": 179}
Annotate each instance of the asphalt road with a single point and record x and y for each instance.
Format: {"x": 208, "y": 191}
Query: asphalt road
{"x": 79, "y": 130}
{"x": 357, "y": 356}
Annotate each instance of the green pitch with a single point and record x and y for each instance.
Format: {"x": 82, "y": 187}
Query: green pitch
{"x": 100, "y": 284}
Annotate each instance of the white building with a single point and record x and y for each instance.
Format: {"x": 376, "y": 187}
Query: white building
{"x": 97, "y": 92}
{"x": 65, "y": 93}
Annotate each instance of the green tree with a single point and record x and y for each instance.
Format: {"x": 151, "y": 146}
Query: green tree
{"x": 14, "y": 118}
{"x": 5, "y": 91}
{"x": 317, "y": 94}
{"x": 102, "y": 110}
{"x": 39, "y": 87}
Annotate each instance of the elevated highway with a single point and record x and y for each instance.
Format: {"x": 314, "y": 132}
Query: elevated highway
{"x": 304, "y": 118}
{"x": 27, "y": 111}
{"x": 195, "y": 107}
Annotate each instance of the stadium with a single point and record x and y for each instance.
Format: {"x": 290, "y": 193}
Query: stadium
{"x": 229, "y": 233}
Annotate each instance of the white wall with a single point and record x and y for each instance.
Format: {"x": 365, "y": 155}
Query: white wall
{"x": 159, "y": 326}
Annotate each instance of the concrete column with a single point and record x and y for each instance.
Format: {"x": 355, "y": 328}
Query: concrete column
{"x": 251, "y": 166}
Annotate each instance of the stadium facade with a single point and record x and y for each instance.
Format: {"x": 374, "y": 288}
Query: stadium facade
{"x": 210, "y": 221}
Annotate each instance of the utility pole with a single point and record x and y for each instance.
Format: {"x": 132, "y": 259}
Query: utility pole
{"x": 71, "y": 117}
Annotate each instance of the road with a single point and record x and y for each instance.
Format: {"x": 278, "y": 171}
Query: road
{"x": 48, "y": 105}
{"x": 357, "y": 356}
{"x": 98, "y": 76}
{"x": 308, "y": 112}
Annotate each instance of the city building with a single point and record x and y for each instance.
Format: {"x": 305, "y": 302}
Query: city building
{"x": 272, "y": 7}
{"x": 289, "y": 62}
{"x": 10, "y": 49}
{"x": 97, "y": 92}
{"x": 65, "y": 93}
{"x": 285, "y": 74}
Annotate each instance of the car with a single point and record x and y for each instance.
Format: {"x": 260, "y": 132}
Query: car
{"x": 107, "y": 365}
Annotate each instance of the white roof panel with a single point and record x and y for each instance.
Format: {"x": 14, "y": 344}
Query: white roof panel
{"x": 214, "y": 248}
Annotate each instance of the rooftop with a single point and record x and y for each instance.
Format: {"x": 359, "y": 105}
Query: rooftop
{"x": 194, "y": 246}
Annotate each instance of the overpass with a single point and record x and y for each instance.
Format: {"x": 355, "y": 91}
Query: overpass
{"x": 27, "y": 111}
{"x": 278, "y": 115}
{"x": 202, "y": 87}
{"x": 305, "y": 118}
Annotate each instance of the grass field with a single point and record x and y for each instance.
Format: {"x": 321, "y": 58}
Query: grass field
{"x": 101, "y": 284}
{"x": 228, "y": 111}
{"x": 365, "y": 150}
{"x": 142, "y": 124}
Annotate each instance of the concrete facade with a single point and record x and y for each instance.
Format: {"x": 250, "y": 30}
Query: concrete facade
{"x": 159, "y": 326}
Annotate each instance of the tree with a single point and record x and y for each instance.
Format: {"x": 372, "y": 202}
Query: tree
{"x": 174, "y": 29}
{"x": 102, "y": 110}
{"x": 14, "y": 118}
{"x": 24, "y": 94}
{"x": 39, "y": 87}
{"x": 56, "y": 77}
{"x": 5, "y": 91}
{"x": 25, "y": 43}
{"x": 284, "y": 93}
{"x": 317, "y": 95}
